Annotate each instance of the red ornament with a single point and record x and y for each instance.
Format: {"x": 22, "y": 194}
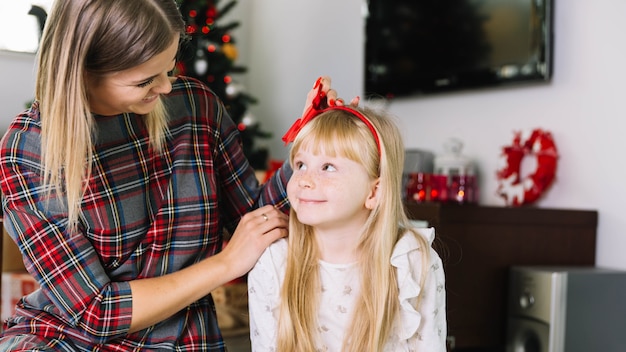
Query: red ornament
{"x": 515, "y": 190}
{"x": 181, "y": 69}
{"x": 191, "y": 29}
{"x": 211, "y": 13}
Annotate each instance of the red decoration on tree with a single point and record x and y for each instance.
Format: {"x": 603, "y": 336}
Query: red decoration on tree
{"x": 191, "y": 29}
{"x": 209, "y": 55}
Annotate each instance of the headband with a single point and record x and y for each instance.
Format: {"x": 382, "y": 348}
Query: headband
{"x": 316, "y": 109}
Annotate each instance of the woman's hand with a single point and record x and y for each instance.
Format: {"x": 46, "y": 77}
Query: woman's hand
{"x": 332, "y": 98}
{"x": 255, "y": 232}
{"x": 173, "y": 292}
{"x": 320, "y": 97}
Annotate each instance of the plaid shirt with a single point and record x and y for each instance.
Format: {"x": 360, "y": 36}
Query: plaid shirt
{"x": 144, "y": 215}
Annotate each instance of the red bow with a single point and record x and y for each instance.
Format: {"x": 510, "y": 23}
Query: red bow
{"x": 320, "y": 105}
{"x": 317, "y": 107}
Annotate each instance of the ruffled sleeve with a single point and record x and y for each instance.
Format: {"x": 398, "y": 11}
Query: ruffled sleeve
{"x": 422, "y": 328}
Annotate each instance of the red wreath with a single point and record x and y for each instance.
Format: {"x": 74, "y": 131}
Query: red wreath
{"x": 515, "y": 190}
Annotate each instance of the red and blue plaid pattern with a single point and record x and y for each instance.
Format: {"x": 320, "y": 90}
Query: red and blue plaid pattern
{"x": 144, "y": 215}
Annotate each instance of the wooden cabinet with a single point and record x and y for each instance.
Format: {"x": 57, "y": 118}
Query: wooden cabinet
{"x": 478, "y": 244}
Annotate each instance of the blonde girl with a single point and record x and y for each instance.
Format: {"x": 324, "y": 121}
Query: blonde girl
{"x": 353, "y": 275}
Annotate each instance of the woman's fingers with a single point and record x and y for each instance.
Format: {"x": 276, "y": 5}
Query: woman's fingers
{"x": 268, "y": 219}
{"x": 332, "y": 98}
{"x": 255, "y": 232}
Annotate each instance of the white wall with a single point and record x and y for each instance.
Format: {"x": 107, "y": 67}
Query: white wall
{"x": 291, "y": 44}
{"x": 16, "y": 86}
{"x": 294, "y": 42}
{"x": 286, "y": 45}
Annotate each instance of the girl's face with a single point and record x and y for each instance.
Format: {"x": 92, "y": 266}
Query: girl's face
{"x": 331, "y": 193}
{"x": 134, "y": 90}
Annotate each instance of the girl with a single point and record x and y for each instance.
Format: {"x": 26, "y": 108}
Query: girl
{"x": 353, "y": 275}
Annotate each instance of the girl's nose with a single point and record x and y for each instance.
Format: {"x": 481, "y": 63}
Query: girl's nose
{"x": 305, "y": 181}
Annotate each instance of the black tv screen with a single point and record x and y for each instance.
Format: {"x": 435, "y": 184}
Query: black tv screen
{"x": 428, "y": 46}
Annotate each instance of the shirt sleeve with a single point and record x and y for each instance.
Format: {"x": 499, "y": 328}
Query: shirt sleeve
{"x": 240, "y": 187}
{"x": 433, "y": 329}
{"x": 422, "y": 319}
{"x": 264, "y": 282}
{"x": 63, "y": 262}
{"x": 275, "y": 189}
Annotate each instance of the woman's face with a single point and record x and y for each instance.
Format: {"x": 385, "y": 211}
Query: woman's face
{"x": 135, "y": 90}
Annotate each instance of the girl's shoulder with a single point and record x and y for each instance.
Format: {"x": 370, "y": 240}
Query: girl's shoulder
{"x": 420, "y": 274}
{"x": 414, "y": 255}
{"x": 278, "y": 249}
{"x": 410, "y": 240}
{"x": 274, "y": 256}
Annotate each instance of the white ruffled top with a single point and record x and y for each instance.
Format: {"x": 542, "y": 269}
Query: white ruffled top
{"x": 421, "y": 329}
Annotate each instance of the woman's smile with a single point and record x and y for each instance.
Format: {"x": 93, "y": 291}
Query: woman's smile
{"x": 150, "y": 99}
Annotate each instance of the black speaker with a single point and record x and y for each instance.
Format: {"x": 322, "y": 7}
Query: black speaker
{"x": 566, "y": 309}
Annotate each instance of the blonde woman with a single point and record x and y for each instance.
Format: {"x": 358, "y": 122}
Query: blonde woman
{"x": 353, "y": 275}
{"x": 118, "y": 183}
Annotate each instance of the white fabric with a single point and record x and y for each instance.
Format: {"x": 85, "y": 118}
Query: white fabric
{"x": 414, "y": 330}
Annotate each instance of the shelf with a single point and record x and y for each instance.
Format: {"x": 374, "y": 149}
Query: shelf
{"x": 478, "y": 244}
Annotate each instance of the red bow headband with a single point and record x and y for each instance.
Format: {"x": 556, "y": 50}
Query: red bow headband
{"x": 316, "y": 108}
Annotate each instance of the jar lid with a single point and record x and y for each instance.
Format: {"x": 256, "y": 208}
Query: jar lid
{"x": 452, "y": 161}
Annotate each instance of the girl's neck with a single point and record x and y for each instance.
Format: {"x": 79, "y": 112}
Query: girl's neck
{"x": 337, "y": 247}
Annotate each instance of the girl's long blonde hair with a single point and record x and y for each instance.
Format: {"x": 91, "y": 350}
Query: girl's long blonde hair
{"x": 337, "y": 132}
{"x": 92, "y": 37}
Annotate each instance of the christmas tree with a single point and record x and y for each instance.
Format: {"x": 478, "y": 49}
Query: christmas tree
{"x": 209, "y": 55}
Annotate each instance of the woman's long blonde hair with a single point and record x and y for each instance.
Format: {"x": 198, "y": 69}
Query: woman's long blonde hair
{"x": 337, "y": 132}
{"x": 92, "y": 37}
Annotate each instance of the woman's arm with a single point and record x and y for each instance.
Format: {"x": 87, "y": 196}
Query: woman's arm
{"x": 69, "y": 269}
{"x": 173, "y": 292}
{"x": 238, "y": 192}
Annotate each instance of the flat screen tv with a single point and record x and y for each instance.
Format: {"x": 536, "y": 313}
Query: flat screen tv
{"x": 427, "y": 46}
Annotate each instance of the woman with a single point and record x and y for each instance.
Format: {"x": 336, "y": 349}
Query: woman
{"x": 118, "y": 183}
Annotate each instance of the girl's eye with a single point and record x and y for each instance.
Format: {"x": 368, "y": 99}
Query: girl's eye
{"x": 146, "y": 83}
{"x": 299, "y": 165}
{"x": 328, "y": 167}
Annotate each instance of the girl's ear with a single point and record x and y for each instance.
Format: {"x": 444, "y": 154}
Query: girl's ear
{"x": 373, "y": 198}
